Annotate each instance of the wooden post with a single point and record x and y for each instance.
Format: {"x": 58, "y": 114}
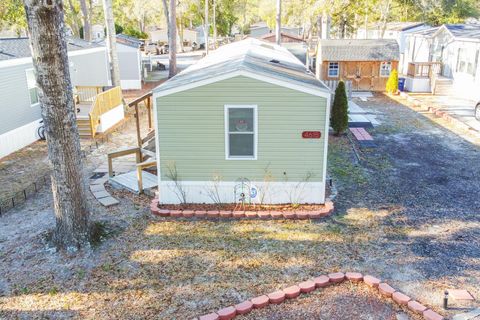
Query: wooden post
{"x": 110, "y": 167}
{"x": 149, "y": 110}
{"x": 140, "y": 180}
{"x": 137, "y": 122}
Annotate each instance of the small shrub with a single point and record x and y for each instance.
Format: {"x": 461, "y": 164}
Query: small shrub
{"x": 392, "y": 82}
{"x": 339, "y": 119}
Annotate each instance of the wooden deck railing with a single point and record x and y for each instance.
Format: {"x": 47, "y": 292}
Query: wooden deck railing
{"x": 140, "y": 159}
{"x": 104, "y": 102}
{"x": 424, "y": 69}
{"x": 87, "y": 94}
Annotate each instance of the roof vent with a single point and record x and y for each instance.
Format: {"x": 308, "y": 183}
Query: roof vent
{"x": 274, "y": 61}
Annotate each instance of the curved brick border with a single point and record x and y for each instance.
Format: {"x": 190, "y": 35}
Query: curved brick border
{"x": 292, "y": 292}
{"x": 263, "y": 215}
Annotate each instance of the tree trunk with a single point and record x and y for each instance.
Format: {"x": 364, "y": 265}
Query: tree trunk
{"x": 206, "y": 27}
{"x": 278, "y": 23}
{"x": 46, "y": 27}
{"x": 214, "y": 25}
{"x": 111, "y": 42}
{"x": 75, "y": 19}
{"x": 172, "y": 39}
{"x": 87, "y": 30}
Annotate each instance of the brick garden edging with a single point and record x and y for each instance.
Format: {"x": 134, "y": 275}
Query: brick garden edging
{"x": 263, "y": 215}
{"x": 436, "y": 111}
{"x": 323, "y": 281}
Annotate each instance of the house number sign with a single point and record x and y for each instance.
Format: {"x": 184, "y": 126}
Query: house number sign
{"x": 311, "y": 134}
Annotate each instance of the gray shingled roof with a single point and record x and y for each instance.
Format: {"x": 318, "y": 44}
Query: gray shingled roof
{"x": 359, "y": 50}
{"x": 250, "y": 55}
{"x": 14, "y": 48}
{"x": 464, "y": 31}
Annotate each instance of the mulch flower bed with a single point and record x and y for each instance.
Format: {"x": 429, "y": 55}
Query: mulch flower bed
{"x": 322, "y": 282}
{"x": 281, "y": 211}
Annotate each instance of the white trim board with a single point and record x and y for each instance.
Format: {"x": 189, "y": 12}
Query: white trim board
{"x": 305, "y": 88}
{"x": 275, "y": 192}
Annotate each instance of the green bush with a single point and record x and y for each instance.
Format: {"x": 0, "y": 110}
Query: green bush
{"x": 392, "y": 82}
{"x": 129, "y": 31}
{"x": 339, "y": 120}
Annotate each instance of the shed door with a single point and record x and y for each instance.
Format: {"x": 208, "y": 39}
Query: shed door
{"x": 364, "y": 76}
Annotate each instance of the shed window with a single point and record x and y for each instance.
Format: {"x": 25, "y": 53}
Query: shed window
{"x": 241, "y": 132}
{"x": 333, "y": 69}
{"x": 385, "y": 68}
{"x": 32, "y": 87}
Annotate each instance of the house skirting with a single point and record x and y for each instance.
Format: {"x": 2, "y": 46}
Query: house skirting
{"x": 224, "y": 192}
{"x": 131, "y": 84}
{"x": 18, "y": 138}
{"x": 111, "y": 118}
{"x": 417, "y": 84}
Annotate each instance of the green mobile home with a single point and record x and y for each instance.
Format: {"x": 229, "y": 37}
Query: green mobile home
{"x": 249, "y": 116}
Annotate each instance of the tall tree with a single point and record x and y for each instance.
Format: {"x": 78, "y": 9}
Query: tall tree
{"x": 111, "y": 42}
{"x": 45, "y": 21}
{"x": 278, "y": 23}
{"x": 87, "y": 30}
{"x": 206, "y": 27}
{"x": 172, "y": 39}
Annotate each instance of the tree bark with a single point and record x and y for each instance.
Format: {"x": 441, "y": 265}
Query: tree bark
{"x": 46, "y": 27}
{"x": 111, "y": 42}
{"x": 172, "y": 39}
{"x": 278, "y": 23}
{"x": 214, "y": 25}
{"x": 206, "y": 27}
{"x": 87, "y": 30}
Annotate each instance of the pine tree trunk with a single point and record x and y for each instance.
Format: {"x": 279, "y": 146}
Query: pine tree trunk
{"x": 206, "y": 27}
{"x": 172, "y": 39}
{"x": 214, "y": 25}
{"x": 278, "y": 24}
{"x": 111, "y": 42}
{"x": 46, "y": 27}
{"x": 87, "y": 30}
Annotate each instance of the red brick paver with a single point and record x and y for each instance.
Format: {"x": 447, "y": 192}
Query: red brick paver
{"x": 187, "y": 213}
{"x": 244, "y": 307}
{"x": 292, "y": 292}
{"x": 227, "y": 313}
{"x": 210, "y": 316}
{"x": 213, "y": 214}
{"x": 260, "y": 302}
{"x": 371, "y": 281}
{"x": 322, "y": 281}
{"x": 276, "y": 297}
{"x": 416, "y": 307}
{"x": 431, "y": 315}
{"x": 354, "y": 276}
{"x": 400, "y": 298}
{"x": 200, "y": 213}
{"x": 336, "y": 277}
{"x": 307, "y": 286}
{"x": 385, "y": 289}
{"x": 175, "y": 213}
{"x": 225, "y": 214}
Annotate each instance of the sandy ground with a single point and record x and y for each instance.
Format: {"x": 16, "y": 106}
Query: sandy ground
{"x": 407, "y": 212}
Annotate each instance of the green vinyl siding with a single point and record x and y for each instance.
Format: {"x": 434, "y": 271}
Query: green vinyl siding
{"x": 191, "y": 132}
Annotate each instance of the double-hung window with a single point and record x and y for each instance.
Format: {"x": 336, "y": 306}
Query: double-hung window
{"x": 333, "y": 69}
{"x": 385, "y": 68}
{"x": 32, "y": 87}
{"x": 241, "y": 132}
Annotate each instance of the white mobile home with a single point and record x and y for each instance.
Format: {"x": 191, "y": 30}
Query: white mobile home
{"x": 20, "y": 107}
{"x": 447, "y": 59}
{"x": 130, "y": 62}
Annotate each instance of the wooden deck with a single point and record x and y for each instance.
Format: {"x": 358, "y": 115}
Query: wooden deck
{"x": 129, "y": 181}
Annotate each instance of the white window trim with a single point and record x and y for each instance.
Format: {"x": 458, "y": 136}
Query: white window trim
{"x": 382, "y": 63}
{"x": 255, "y": 131}
{"x": 338, "y": 69}
{"x": 32, "y": 105}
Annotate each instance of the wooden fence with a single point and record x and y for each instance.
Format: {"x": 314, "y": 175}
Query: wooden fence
{"x": 332, "y": 84}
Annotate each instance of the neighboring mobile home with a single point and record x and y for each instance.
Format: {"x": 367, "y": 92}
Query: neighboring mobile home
{"x": 247, "y": 114}
{"x": 20, "y": 107}
{"x": 365, "y": 63}
{"x": 129, "y": 61}
{"x": 445, "y": 60}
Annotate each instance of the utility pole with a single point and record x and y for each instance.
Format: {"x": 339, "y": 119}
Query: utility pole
{"x": 206, "y": 27}
{"x": 278, "y": 25}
